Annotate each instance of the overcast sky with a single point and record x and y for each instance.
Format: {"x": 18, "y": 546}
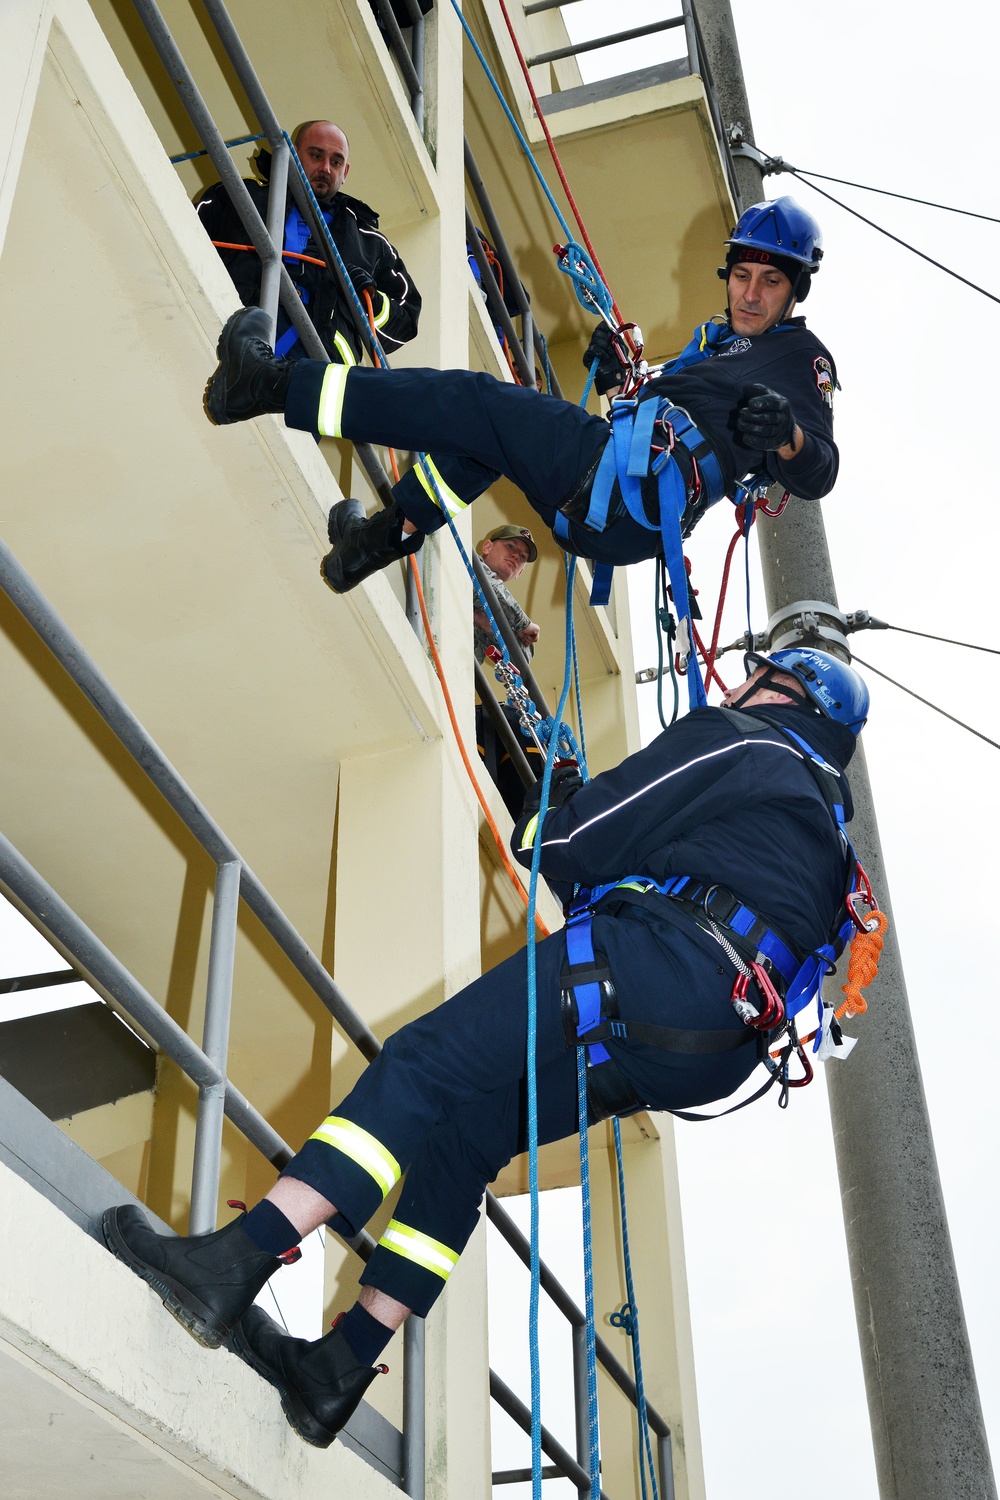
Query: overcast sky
{"x": 901, "y": 98}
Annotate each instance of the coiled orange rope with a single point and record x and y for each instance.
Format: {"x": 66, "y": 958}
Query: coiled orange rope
{"x": 863, "y": 965}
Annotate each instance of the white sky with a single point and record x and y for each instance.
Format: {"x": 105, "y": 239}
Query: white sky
{"x": 902, "y": 101}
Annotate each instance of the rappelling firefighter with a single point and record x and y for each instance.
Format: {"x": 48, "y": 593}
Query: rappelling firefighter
{"x": 713, "y": 886}
{"x": 752, "y": 392}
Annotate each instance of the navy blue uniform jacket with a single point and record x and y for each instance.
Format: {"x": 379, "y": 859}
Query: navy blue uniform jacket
{"x": 730, "y": 803}
{"x": 790, "y": 360}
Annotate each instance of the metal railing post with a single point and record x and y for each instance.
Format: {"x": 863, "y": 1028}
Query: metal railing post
{"x": 400, "y": 51}
{"x": 495, "y": 233}
{"x": 665, "y": 1465}
{"x": 691, "y": 34}
{"x": 414, "y": 1408}
{"x": 496, "y": 305}
{"x": 277, "y": 194}
{"x": 419, "y": 50}
{"x": 215, "y": 1044}
{"x": 581, "y": 1401}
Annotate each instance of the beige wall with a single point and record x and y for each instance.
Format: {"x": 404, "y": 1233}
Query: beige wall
{"x": 186, "y": 560}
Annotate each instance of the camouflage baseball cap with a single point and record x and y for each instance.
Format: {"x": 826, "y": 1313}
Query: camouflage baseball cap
{"x": 514, "y": 533}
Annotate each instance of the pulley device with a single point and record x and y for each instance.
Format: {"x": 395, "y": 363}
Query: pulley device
{"x": 533, "y": 725}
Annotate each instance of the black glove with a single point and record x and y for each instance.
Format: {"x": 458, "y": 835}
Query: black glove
{"x": 566, "y": 782}
{"x": 611, "y": 367}
{"x": 362, "y": 280}
{"x": 764, "y": 419}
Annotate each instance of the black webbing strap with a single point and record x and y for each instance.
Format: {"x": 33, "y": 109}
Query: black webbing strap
{"x": 684, "y": 1114}
{"x": 669, "y": 1038}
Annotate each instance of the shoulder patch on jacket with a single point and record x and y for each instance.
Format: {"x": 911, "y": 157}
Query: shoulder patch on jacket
{"x": 825, "y": 380}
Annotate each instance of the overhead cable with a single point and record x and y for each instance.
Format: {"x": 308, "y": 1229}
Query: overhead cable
{"x": 945, "y": 640}
{"x": 926, "y": 701}
{"x": 889, "y": 235}
{"x": 770, "y": 164}
{"x": 781, "y": 166}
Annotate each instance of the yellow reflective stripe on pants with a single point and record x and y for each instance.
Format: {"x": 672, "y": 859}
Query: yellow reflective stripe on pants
{"x": 382, "y": 316}
{"x": 362, "y": 1148}
{"x": 453, "y": 504}
{"x": 331, "y": 400}
{"x": 420, "y": 1248}
{"x": 344, "y": 349}
{"x": 528, "y": 836}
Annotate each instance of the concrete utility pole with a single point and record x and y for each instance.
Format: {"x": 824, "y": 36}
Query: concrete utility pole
{"x": 927, "y": 1422}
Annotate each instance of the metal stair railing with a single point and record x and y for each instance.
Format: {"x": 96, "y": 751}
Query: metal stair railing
{"x": 206, "y": 1065}
{"x": 576, "y": 1471}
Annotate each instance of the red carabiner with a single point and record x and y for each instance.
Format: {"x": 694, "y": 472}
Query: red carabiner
{"x": 773, "y": 1012}
{"x": 862, "y": 892}
{"x": 774, "y": 1007}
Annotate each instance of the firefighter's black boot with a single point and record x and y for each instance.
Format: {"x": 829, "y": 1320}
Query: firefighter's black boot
{"x": 250, "y": 380}
{"x": 364, "y": 545}
{"x": 321, "y": 1383}
{"x": 207, "y": 1280}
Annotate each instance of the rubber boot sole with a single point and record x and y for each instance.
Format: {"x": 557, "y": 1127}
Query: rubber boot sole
{"x": 197, "y": 1319}
{"x": 296, "y": 1412}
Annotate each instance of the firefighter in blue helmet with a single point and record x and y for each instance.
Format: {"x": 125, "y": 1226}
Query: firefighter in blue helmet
{"x": 712, "y": 849}
{"x": 750, "y": 393}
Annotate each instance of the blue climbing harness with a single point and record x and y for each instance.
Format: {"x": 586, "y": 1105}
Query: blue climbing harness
{"x": 629, "y": 458}
{"x": 754, "y": 947}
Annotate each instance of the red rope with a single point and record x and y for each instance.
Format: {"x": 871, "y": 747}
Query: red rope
{"x": 555, "y": 158}
{"x": 710, "y": 671}
{"x": 710, "y": 659}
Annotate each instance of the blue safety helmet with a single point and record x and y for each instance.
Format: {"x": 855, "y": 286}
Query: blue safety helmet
{"x": 835, "y": 688}
{"x": 778, "y": 233}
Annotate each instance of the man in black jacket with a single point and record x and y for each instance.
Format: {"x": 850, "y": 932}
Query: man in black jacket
{"x": 753, "y": 393}
{"x": 727, "y": 805}
{"x": 372, "y": 262}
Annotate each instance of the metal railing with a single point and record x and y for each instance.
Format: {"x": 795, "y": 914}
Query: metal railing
{"x": 267, "y": 238}
{"x": 410, "y": 62}
{"x": 206, "y": 1066}
{"x": 563, "y": 1464}
{"x": 695, "y": 63}
{"x": 218, "y": 1097}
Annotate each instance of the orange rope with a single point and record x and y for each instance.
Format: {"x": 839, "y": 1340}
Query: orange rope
{"x": 439, "y": 669}
{"x": 415, "y": 574}
{"x": 310, "y": 260}
{"x": 863, "y": 965}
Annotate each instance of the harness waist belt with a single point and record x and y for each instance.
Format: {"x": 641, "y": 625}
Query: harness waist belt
{"x": 718, "y": 905}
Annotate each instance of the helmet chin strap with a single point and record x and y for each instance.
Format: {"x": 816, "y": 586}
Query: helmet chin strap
{"x": 767, "y": 681}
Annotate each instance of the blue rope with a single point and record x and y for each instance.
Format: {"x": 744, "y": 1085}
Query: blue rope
{"x": 577, "y": 264}
{"x": 628, "y": 1319}
{"x": 532, "y": 1081}
{"x": 241, "y": 140}
{"x": 545, "y": 362}
{"x": 593, "y": 1429}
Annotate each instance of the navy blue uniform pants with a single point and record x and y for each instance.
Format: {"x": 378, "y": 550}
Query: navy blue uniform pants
{"x": 445, "y": 1101}
{"x": 476, "y": 429}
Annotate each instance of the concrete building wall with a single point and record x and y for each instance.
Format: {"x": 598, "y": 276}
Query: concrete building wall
{"x": 186, "y": 558}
